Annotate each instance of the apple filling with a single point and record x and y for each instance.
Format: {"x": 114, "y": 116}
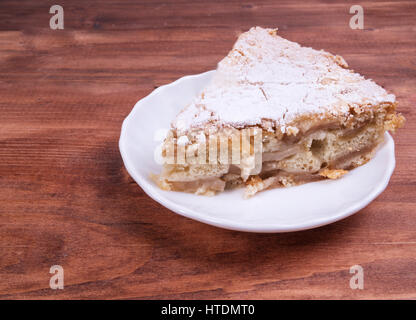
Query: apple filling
{"x": 281, "y": 161}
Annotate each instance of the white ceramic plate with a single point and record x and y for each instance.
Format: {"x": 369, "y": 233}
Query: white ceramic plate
{"x": 278, "y": 210}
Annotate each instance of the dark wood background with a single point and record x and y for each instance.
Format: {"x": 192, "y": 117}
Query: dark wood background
{"x": 66, "y": 199}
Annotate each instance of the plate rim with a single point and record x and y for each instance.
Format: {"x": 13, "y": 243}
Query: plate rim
{"x": 154, "y": 192}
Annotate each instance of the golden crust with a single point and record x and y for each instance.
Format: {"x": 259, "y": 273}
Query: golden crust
{"x": 332, "y": 173}
{"x": 394, "y": 121}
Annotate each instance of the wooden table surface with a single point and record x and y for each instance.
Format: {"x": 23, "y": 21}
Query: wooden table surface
{"x": 66, "y": 199}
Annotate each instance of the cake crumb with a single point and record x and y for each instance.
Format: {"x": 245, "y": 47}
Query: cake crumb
{"x": 332, "y": 173}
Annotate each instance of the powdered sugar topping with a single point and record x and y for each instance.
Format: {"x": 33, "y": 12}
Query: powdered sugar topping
{"x": 268, "y": 77}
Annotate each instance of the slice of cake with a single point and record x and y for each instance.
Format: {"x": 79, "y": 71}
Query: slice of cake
{"x": 275, "y": 115}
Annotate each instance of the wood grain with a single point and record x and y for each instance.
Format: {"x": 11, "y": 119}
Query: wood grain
{"x": 65, "y": 197}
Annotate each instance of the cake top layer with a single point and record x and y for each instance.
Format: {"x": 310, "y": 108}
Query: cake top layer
{"x": 266, "y": 77}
